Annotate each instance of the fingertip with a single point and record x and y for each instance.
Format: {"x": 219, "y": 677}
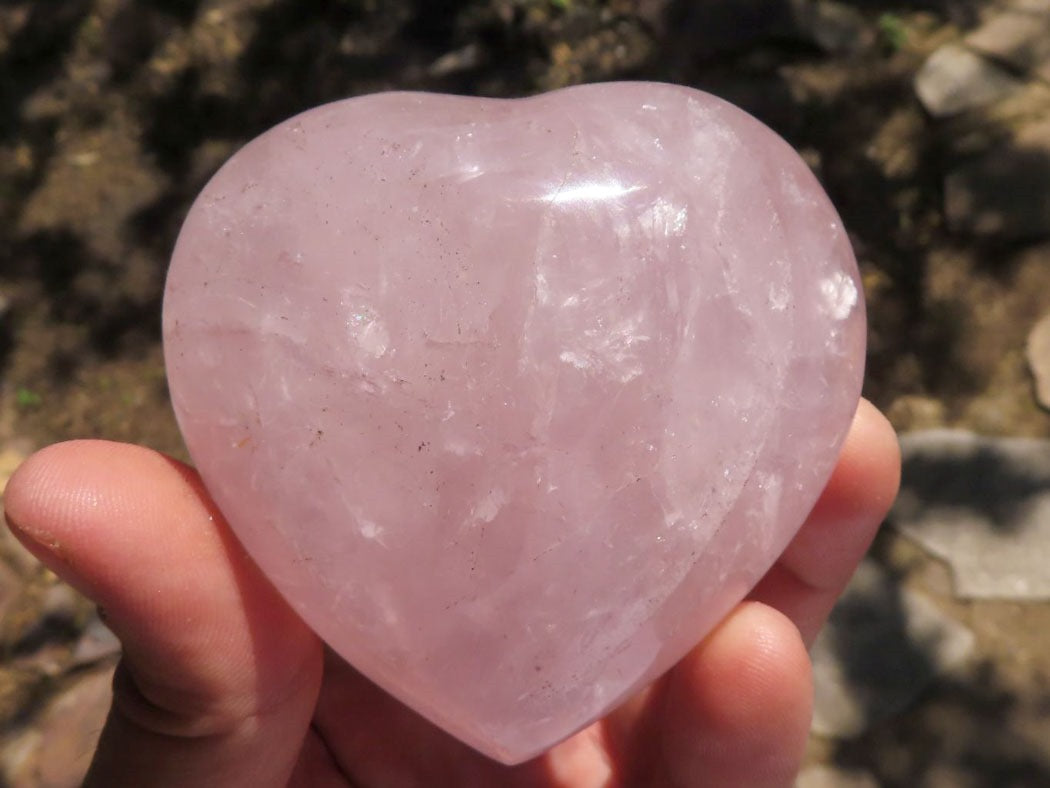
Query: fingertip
{"x": 90, "y": 509}
{"x": 40, "y": 505}
{"x": 739, "y": 706}
{"x": 868, "y": 473}
{"x": 21, "y": 493}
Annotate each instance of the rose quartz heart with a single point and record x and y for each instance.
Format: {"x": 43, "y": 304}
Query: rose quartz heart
{"x": 514, "y": 400}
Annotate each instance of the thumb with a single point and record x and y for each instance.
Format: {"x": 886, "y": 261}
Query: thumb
{"x": 219, "y": 677}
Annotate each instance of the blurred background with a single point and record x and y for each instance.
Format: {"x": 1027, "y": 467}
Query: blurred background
{"x": 928, "y": 123}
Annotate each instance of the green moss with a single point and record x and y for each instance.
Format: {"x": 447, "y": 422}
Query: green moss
{"x": 27, "y": 398}
{"x": 892, "y": 31}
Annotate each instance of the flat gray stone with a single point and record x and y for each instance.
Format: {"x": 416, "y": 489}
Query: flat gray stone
{"x": 982, "y": 505}
{"x": 881, "y": 647}
{"x": 1018, "y": 35}
{"x": 1003, "y": 193}
{"x": 955, "y": 79}
{"x": 1037, "y": 352}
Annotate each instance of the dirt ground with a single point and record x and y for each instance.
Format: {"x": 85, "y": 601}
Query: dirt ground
{"x": 114, "y": 113}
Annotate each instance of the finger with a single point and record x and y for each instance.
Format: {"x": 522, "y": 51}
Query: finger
{"x": 219, "y": 677}
{"x": 811, "y": 573}
{"x": 737, "y": 709}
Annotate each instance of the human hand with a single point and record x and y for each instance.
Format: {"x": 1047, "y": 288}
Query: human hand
{"x": 222, "y": 685}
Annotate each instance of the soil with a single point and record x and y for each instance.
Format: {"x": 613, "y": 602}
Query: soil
{"x": 114, "y": 113}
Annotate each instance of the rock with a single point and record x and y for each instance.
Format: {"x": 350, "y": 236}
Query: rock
{"x": 834, "y": 27}
{"x": 1019, "y": 36}
{"x": 464, "y": 59}
{"x": 561, "y": 377}
{"x": 55, "y": 749}
{"x": 983, "y": 505}
{"x": 881, "y": 647}
{"x": 1037, "y": 352}
{"x": 955, "y": 79}
{"x": 824, "y": 776}
{"x": 1004, "y": 192}
{"x": 97, "y": 642}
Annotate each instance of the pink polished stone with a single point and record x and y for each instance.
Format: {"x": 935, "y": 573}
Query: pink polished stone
{"x": 514, "y": 400}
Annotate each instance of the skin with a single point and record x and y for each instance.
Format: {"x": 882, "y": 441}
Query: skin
{"x": 222, "y": 685}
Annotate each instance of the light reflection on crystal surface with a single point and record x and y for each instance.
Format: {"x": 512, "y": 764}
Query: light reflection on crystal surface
{"x": 597, "y": 191}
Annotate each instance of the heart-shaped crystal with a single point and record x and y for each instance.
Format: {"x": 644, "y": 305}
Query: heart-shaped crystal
{"x": 514, "y": 400}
